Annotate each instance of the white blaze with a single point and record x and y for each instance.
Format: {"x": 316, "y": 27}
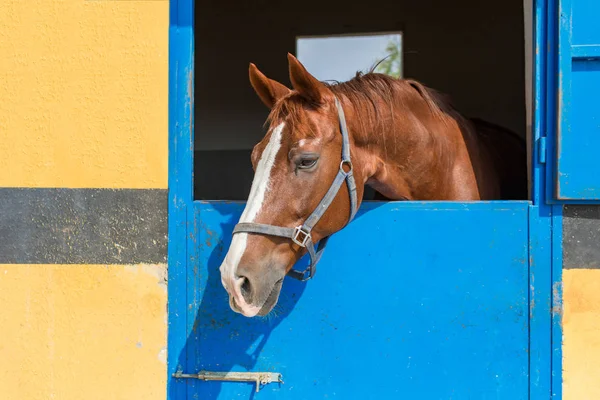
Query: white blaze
{"x": 262, "y": 178}
{"x": 258, "y": 191}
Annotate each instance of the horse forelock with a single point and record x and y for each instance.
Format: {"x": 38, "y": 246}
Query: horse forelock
{"x": 291, "y": 109}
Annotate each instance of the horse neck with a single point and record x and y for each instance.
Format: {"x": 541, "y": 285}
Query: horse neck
{"x": 407, "y": 152}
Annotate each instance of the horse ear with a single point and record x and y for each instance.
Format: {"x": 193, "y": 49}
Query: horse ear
{"x": 307, "y": 85}
{"x": 267, "y": 89}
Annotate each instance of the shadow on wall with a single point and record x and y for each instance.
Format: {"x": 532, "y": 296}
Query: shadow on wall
{"x": 221, "y": 340}
{"x": 218, "y": 339}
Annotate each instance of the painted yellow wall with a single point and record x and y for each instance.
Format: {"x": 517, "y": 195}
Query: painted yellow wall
{"x": 581, "y": 330}
{"x": 84, "y": 93}
{"x": 83, "y": 104}
{"x": 73, "y": 332}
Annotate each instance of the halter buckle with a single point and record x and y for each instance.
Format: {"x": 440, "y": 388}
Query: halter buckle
{"x": 349, "y": 164}
{"x": 299, "y": 231}
{"x": 306, "y": 275}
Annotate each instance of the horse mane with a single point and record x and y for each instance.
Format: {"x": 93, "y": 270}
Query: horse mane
{"x": 370, "y": 86}
{"x": 368, "y": 90}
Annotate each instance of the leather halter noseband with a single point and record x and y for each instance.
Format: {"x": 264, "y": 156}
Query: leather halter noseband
{"x": 301, "y": 234}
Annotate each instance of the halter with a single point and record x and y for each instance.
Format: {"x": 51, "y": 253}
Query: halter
{"x": 301, "y": 234}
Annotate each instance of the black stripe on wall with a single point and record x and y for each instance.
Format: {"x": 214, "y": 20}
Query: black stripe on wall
{"x": 581, "y": 236}
{"x": 83, "y": 226}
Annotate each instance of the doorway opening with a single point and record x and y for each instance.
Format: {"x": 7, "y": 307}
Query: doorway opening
{"x": 474, "y": 52}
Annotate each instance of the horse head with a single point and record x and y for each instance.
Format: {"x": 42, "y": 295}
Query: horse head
{"x": 305, "y": 188}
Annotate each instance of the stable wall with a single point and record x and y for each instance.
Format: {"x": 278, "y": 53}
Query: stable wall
{"x": 84, "y": 116}
{"x": 83, "y": 199}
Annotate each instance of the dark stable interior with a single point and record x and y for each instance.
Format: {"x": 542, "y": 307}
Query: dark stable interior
{"x": 472, "y": 50}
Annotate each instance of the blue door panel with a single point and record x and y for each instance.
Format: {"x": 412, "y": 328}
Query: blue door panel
{"x": 412, "y": 300}
{"x": 578, "y": 169}
{"x": 579, "y": 145}
{"x": 585, "y": 22}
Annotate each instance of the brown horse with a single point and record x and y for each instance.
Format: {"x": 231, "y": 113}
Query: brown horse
{"x": 405, "y": 140}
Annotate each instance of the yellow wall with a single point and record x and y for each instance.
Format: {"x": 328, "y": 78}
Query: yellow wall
{"x": 84, "y": 93}
{"x": 83, "y": 104}
{"x": 83, "y": 332}
{"x": 581, "y": 330}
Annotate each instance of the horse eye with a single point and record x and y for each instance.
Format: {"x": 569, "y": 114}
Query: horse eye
{"x": 307, "y": 163}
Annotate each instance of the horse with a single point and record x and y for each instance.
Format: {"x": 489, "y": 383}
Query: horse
{"x": 398, "y": 136}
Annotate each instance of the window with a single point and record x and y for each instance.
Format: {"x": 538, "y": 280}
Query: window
{"x": 339, "y": 57}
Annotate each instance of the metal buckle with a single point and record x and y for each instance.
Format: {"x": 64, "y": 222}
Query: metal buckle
{"x": 297, "y": 231}
{"x": 302, "y": 276}
{"x": 307, "y": 274}
{"x": 349, "y": 164}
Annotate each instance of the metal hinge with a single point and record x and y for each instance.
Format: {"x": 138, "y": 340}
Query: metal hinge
{"x": 260, "y": 378}
{"x": 542, "y": 151}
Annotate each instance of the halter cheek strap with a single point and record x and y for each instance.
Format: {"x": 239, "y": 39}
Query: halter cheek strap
{"x": 301, "y": 235}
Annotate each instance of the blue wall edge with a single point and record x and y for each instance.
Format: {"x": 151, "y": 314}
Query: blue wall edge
{"x": 180, "y": 183}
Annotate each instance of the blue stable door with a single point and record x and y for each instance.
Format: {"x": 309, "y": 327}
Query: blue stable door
{"x": 410, "y": 301}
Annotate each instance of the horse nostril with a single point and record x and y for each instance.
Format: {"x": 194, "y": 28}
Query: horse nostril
{"x": 246, "y": 290}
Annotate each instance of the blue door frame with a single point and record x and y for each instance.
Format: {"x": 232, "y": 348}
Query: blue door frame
{"x": 544, "y": 297}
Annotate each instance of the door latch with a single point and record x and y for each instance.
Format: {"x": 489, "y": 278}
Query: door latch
{"x": 260, "y": 378}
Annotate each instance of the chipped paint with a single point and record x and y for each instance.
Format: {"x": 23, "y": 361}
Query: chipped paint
{"x": 557, "y": 303}
{"x": 162, "y": 355}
